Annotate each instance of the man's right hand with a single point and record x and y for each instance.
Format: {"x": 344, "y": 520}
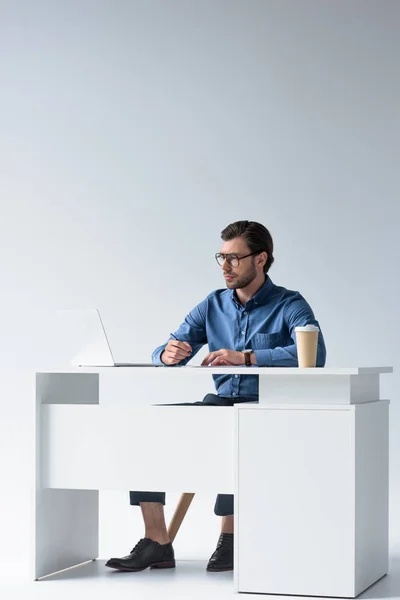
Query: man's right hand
{"x": 175, "y": 352}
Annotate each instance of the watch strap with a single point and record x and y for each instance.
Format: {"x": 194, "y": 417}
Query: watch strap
{"x": 247, "y": 358}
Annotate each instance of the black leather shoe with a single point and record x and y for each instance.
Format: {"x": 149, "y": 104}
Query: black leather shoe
{"x": 146, "y": 553}
{"x": 222, "y": 557}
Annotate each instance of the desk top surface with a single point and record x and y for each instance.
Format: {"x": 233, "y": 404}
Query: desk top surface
{"x": 241, "y": 370}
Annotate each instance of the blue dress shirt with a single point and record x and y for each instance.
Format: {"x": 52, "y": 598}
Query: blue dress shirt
{"x": 265, "y": 324}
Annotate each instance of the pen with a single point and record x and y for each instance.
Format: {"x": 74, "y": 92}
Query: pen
{"x": 175, "y": 338}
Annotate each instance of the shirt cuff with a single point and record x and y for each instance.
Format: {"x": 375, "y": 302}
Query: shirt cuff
{"x": 263, "y": 358}
{"x": 156, "y": 357}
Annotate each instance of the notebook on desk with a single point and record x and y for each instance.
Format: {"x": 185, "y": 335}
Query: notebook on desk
{"x": 84, "y": 334}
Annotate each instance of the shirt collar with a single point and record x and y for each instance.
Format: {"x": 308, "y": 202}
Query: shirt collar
{"x": 260, "y": 297}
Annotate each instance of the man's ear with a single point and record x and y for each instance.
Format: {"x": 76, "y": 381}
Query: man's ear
{"x": 262, "y": 258}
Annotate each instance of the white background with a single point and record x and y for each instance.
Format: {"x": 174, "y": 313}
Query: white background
{"x": 131, "y": 133}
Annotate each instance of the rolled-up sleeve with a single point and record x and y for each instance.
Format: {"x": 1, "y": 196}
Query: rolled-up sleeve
{"x": 192, "y": 330}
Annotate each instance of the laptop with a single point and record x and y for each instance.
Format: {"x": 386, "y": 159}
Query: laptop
{"x": 85, "y": 337}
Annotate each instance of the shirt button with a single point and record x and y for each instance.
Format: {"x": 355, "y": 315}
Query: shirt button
{"x": 236, "y": 376}
{"x": 245, "y": 312}
{"x": 233, "y": 393}
{"x": 242, "y": 332}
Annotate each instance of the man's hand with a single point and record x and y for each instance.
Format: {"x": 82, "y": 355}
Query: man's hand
{"x": 223, "y": 357}
{"x": 175, "y": 351}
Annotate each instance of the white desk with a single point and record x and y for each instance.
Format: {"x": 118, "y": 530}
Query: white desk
{"x": 308, "y": 466}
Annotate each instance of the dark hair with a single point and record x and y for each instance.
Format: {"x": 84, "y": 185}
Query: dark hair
{"x": 256, "y": 236}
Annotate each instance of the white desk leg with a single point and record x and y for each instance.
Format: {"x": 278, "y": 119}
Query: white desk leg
{"x": 66, "y": 522}
{"x": 66, "y": 529}
{"x": 311, "y": 499}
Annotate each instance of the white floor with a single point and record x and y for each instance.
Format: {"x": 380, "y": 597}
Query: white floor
{"x": 188, "y": 580}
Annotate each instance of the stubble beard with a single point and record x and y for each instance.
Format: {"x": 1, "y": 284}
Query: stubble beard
{"x": 244, "y": 280}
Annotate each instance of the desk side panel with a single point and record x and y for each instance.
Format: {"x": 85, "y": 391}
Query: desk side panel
{"x": 67, "y": 388}
{"x": 65, "y": 522}
{"x": 67, "y": 531}
{"x": 372, "y": 493}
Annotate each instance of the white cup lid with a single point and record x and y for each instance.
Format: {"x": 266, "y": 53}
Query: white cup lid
{"x": 307, "y": 328}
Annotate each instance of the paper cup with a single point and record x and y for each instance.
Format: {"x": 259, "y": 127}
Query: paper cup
{"x": 307, "y": 344}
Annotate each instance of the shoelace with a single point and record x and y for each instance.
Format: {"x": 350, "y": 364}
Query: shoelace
{"x": 140, "y": 546}
{"x": 225, "y": 541}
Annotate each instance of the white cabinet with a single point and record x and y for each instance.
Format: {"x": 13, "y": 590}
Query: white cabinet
{"x": 311, "y": 498}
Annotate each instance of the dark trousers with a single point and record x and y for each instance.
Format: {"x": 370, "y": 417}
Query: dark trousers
{"x": 224, "y": 502}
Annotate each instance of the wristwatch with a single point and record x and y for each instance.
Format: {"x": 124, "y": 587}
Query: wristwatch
{"x": 247, "y": 357}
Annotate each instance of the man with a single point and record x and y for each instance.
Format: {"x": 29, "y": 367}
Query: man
{"x": 251, "y": 322}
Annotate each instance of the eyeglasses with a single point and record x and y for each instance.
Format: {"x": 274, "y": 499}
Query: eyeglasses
{"x": 232, "y": 259}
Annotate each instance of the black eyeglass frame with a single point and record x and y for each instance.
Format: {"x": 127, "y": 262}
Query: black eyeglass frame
{"x": 238, "y": 258}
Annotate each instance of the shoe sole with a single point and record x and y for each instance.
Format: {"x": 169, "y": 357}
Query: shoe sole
{"x": 220, "y": 570}
{"x": 168, "y": 564}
